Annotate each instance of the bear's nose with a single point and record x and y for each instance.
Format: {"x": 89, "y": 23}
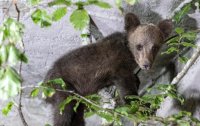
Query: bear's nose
{"x": 146, "y": 66}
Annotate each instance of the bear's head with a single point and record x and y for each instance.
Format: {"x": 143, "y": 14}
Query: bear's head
{"x": 145, "y": 40}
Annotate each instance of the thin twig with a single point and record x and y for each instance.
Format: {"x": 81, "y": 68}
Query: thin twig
{"x": 20, "y": 69}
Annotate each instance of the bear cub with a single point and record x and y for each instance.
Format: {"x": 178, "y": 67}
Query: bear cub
{"x": 110, "y": 61}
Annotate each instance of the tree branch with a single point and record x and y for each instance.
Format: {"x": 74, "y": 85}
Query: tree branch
{"x": 94, "y": 30}
{"x": 133, "y": 117}
{"x": 186, "y": 67}
{"x": 112, "y": 111}
{"x": 177, "y": 79}
{"x": 20, "y": 69}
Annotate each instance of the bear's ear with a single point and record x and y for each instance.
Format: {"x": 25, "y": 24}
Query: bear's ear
{"x": 131, "y": 21}
{"x": 165, "y": 27}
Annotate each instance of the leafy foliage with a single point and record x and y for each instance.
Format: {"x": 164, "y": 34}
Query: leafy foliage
{"x": 180, "y": 14}
{"x": 182, "y": 40}
{"x": 11, "y": 34}
{"x": 140, "y": 109}
{"x": 79, "y": 17}
{"x": 10, "y": 83}
{"x": 11, "y": 31}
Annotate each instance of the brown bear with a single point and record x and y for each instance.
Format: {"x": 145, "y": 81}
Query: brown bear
{"x": 110, "y": 61}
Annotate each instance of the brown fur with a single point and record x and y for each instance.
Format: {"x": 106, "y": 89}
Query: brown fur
{"x": 110, "y": 61}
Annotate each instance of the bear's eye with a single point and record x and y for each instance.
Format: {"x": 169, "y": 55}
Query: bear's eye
{"x": 155, "y": 48}
{"x": 139, "y": 47}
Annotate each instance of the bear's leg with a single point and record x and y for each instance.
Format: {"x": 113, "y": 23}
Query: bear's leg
{"x": 127, "y": 84}
{"x": 78, "y": 118}
{"x": 64, "y": 119}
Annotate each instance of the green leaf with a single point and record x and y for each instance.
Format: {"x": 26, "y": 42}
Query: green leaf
{"x": 88, "y": 114}
{"x": 131, "y": 2}
{"x": 80, "y": 19}
{"x": 84, "y": 35}
{"x": 7, "y": 109}
{"x": 123, "y": 110}
{"x": 58, "y": 81}
{"x": 13, "y": 30}
{"x": 155, "y": 103}
{"x": 10, "y": 84}
{"x": 172, "y": 94}
{"x": 60, "y": 2}
{"x": 187, "y": 44}
{"x": 179, "y": 30}
{"x": 166, "y": 87}
{"x": 179, "y": 15}
{"x": 173, "y": 44}
{"x": 41, "y": 18}
{"x": 23, "y": 58}
{"x": 181, "y": 115}
{"x": 183, "y": 123}
{"x": 48, "y": 92}
{"x": 180, "y": 99}
{"x": 59, "y": 13}
{"x": 189, "y": 35}
{"x": 64, "y": 103}
{"x": 13, "y": 55}
{"x": 34, "y": 2}
{"x": 35, "y": 92}
{"x": 76, "y": 106}
{"x": 104, "y": 5}
{"x": 3, "y": 54}
{"x": 173, "y": 40}
{"x": 170, "y": 50}
{"x": 108, "y": 116}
